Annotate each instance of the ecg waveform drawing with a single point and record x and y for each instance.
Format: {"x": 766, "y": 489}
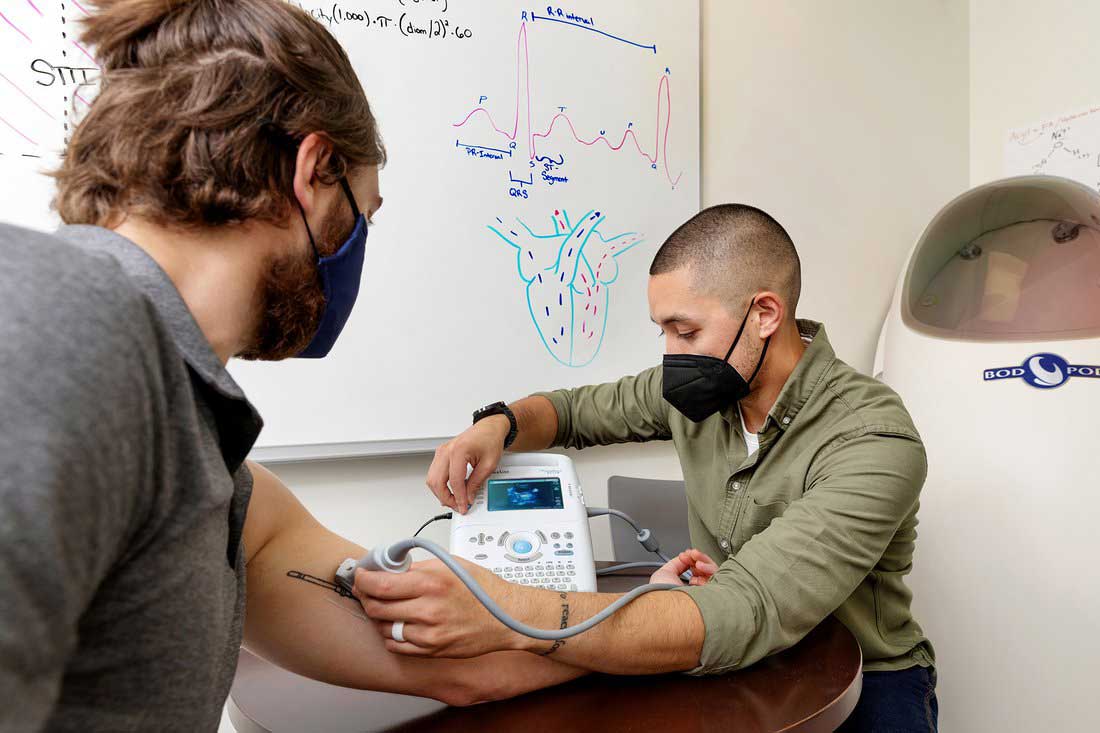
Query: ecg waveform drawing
{"x": 531, "y": 137}
{"x": 568, "y": 275}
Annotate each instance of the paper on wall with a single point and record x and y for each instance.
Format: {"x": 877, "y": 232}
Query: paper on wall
{"x": 1068, "y": 146}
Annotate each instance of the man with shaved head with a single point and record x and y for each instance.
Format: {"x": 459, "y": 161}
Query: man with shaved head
{"x": 732, "y": 249}
{"x": 802, "y": 477}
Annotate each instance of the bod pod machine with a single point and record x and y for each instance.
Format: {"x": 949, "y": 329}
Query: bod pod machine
{"x": 993, "y": 342}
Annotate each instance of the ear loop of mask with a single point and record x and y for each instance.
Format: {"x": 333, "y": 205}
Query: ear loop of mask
{"x": 354, "y": 210}
{"x": 312, "y": 243}
{"x": 740, "y": 330}
{"x": 351, "y": 197}
{"x": 737, "y": 338}
{"x": 270, "y": 127}
{"x": 760, "y": 363}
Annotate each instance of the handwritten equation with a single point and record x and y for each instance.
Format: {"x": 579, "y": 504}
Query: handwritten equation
{"x": 1067, "y": 146}
{"x": 409, "y": 18}
{"x": 47, "y": 77}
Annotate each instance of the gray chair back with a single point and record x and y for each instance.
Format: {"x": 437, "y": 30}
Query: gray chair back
{"x": 661, "y": 506}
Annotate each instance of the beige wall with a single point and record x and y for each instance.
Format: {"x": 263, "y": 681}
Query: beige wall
{"x": 846, "y": 120}
{"x": 1028, "y": 61}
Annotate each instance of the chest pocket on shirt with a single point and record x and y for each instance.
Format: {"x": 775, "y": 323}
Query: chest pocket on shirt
{"x": 759, "y": 515}
{"x": 766, "y": 501}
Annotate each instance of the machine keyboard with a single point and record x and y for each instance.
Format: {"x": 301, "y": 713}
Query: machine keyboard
{"x": 560, "y": 575}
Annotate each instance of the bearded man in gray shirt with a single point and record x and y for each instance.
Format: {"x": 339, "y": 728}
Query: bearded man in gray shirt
{"x": 217, "y": 196}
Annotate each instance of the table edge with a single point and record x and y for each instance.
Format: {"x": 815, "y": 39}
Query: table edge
{"x": 850, "y": 694}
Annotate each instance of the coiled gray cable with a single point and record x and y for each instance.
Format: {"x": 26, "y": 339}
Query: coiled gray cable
{"x": 395, "y": 559}
{"x": 643, "y": 535}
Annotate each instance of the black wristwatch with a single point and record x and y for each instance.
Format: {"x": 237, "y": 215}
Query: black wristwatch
{"x": 499, "y": 408}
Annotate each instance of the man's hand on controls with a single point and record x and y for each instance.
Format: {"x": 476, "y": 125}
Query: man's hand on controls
{"x": 699, "y": 563}
{"x": 481, "y": 446}
{"x": 441, "y": 617}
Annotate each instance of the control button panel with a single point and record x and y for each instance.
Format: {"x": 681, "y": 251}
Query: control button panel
{"x": 554, "y": 575}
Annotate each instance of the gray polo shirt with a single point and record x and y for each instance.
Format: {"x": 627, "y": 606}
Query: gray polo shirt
{"x": 123, "y": 493}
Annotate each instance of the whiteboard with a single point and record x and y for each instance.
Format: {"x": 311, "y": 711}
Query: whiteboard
{"x": 538, "y": 156}
{"x": 46, "y": 79}
{"x": 1067, "y": 145}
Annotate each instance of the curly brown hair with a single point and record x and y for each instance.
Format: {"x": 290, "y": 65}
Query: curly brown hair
{"x": 175, "y": 134}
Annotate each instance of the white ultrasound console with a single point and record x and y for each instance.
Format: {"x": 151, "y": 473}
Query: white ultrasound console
{"x": 529, "y": 524}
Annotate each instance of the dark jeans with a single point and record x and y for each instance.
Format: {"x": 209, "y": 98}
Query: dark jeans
{"x": 895, "y": 702}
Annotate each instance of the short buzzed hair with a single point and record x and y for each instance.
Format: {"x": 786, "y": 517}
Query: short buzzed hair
{"x": 734, "y": 250}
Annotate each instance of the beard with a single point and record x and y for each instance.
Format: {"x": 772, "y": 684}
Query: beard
{"x": 292, "y": 300}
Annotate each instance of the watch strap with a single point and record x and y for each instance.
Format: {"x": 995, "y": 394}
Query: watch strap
{"x": 500, "y": 408}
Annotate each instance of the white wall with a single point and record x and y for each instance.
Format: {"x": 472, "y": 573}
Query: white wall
{"x": 1029, "y": 61}
{"x": 847, "y": 121}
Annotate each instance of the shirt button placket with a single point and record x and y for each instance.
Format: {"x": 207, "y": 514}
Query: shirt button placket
{"x": 735, "y": 487}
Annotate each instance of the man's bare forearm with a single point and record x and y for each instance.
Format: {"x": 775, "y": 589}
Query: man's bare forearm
{"x": 537, "y": 421}
{"x": 659, "y": 632}
{"x": 299, "y": 619}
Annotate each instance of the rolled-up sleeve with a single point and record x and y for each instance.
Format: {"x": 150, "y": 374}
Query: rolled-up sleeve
{"x": 629, "y": 410}
{"x": 788, "y": 578}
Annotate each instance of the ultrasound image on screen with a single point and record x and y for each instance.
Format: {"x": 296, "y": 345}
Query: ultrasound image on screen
{"x": 529, "y": 493}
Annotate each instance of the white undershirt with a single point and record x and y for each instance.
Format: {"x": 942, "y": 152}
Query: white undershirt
{"x": 752, "y": 440}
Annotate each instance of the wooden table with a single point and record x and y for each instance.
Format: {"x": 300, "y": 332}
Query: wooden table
{"x": 811, "y": 687}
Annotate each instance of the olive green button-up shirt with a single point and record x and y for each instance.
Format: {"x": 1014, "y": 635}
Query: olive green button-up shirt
{"x": 820, "y": 520}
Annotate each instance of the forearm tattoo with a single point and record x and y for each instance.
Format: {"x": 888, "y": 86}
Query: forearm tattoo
{"x": 559, "y": 643}
{"x": 340, "y": 590}
{"x": 337, "y": 589}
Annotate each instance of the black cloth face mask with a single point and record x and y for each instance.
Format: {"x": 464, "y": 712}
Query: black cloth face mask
{"x": 699, "y": 386}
